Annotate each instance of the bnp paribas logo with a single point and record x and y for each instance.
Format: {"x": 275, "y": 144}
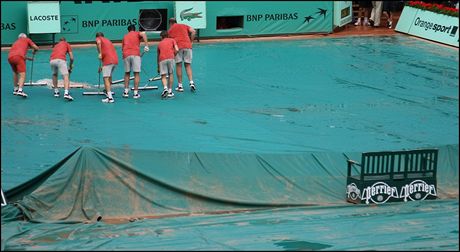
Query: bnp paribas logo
{"x": 69, "y": 24}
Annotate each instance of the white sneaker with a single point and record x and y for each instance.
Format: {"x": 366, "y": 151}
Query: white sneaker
{"x": 192, "y": 87}
{"x": 179, "y": 89}
{"x": 15, "y": 92}
{"x": 170, "y": 95}
{"x": 108, "y": 100}
{"x": 125, "y": 94}
{"x": 56, "y": 94}
{"x": 135, "y": 96}
{"x": 21, "y": 93}
{"x": 68, "y": 97}
{"x": 358, "y": 22}
{"x": 164, "y": 93}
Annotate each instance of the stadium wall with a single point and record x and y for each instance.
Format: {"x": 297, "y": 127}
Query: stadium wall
{"x": 80, "y": 20}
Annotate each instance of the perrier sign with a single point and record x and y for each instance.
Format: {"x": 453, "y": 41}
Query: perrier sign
{"x": 192, "y": 13}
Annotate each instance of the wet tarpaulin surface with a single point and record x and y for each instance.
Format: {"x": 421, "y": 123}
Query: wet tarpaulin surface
{"x": 263, "y": 106}
{"x": 94, "y": 185}
{"x": 331, "y": 94}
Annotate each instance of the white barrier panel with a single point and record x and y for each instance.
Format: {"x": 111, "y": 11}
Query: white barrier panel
{"x": 429, "y": 25}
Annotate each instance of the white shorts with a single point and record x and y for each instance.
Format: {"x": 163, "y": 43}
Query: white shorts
{"x": 132, "y": 63}
{"x": 166, "y": 66}
{"x": 59, "y": 64}
{"x": 185, "y": 55}
{"x": 107, "y": 70}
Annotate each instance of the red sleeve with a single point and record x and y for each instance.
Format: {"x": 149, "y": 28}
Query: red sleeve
{"x": 30, "y": 42}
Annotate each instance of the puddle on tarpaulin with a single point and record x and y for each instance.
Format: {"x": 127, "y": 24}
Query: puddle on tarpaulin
{"x": 293, "y": 245}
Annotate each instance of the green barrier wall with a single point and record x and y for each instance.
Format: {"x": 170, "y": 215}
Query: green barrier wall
{"x": 13, "y": 24}
{"x": 81, "y": 21}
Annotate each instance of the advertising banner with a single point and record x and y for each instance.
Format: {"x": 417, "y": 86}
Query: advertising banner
{"x": 429, "y": 25}
{"x": 79, "y": 21}
{"x": 43, "y": 17}
{"x": 268, "y": 17}
{"x": 191, "y": 13}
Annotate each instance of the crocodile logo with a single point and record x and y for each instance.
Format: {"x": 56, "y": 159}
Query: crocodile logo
{"x": 185, "y": 14}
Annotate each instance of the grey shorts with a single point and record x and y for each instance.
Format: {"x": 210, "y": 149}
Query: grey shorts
{"x": 59, "y": 64}
{"x": 132, "y": 63}
{"x": 108, "y": 70}
{"x": 167, "y": 66}
{"x": 185, "y": 55}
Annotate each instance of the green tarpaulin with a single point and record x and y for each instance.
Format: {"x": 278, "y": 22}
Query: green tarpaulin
{"x": 118, "y": 186}
{"x": 255, "y": 159}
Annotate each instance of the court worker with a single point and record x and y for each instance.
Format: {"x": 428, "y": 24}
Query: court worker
{"x": 166, "y": 51}
{"x": 109, "y": 60}
{"x": 184, "y": 36}
{"x": 17, "y": 60}
{"x": 58, "y": 63}
{"x": 132, "y": 58}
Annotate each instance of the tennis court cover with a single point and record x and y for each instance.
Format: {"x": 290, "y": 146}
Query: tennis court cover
{"x": 256, "y": 159}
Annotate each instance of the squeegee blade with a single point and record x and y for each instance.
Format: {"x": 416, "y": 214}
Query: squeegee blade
{"x": 146, "y": 88}
{"x": 35, "y": 84}
{"x": 95, "y": 93}
{"x": 155, "y": 78}
{"x": 122, "y": 80}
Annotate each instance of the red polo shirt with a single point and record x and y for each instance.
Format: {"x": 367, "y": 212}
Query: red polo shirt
{"x": 109, "y": 54}
{"x": 179, "y": 32}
